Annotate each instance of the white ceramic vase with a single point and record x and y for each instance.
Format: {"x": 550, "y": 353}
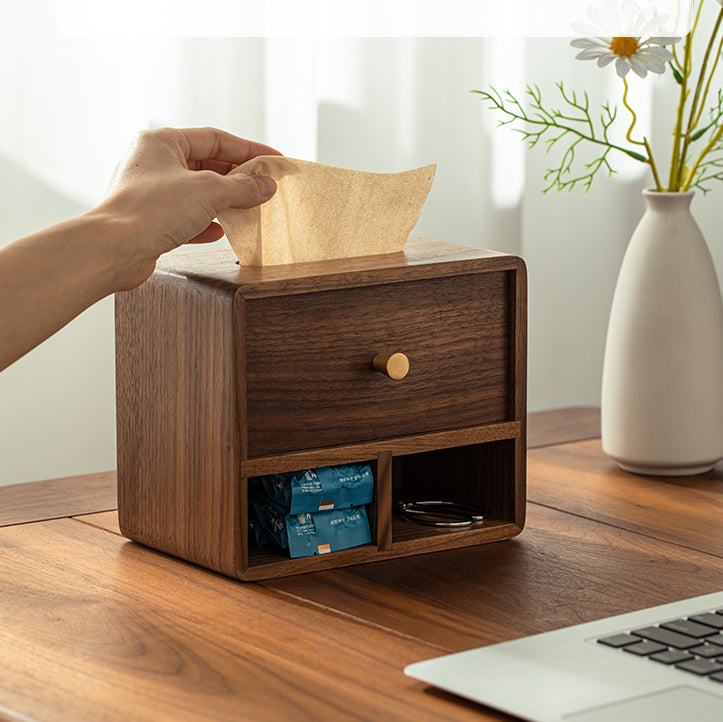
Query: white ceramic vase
{"x": 662, "y": 390}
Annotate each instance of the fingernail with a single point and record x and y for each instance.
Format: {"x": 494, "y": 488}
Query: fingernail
{"x": 267, "y": 186}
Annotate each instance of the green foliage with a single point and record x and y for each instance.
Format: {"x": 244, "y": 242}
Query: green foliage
{"x": 562, "y": 130}
{"x": 711, "y": 167}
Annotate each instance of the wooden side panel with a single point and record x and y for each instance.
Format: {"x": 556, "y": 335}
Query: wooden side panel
{"x": 178, "y": 449}
{"x": 518, "y": 479}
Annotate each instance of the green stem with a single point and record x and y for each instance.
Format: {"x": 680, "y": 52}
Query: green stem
{"x": 632, "y": 113}
{"x": 711, "y": 144}
{"x": 675, "y": 161}
{"x": 644, "y": 142}
{"x": 694, "y": 109}
{"x": 656, "y": 177}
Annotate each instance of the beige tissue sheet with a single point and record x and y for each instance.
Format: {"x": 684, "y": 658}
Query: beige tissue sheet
{"x": 320, "y": 212}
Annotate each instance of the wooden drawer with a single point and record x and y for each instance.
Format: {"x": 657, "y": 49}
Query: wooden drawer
{"x": 309, "y": 375}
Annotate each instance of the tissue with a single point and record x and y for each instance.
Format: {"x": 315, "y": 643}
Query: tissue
{"x": 321, "y": 212}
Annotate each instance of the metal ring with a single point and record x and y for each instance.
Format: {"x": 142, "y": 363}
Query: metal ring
{"x": 439, "y": 513}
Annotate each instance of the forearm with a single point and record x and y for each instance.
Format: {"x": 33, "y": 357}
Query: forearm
{"x": 49, "y": 277}
{"x": 156, "y": 201}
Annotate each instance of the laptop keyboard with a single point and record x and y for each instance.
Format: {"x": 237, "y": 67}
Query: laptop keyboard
{"x": 693, "y": 644}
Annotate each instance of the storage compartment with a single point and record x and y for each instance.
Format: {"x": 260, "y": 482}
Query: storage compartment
{"x": 265, "y": 489}
{"x": 475, "y": 475}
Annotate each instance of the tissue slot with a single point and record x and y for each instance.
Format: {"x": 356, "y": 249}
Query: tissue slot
{"x": 321, "y": 212}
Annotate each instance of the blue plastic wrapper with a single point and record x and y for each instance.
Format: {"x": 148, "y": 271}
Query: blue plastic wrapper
{"x": 327, "y": 531}
{"x": 257, "y": 534}
{"x": 331, "y": 487}
{"x": 272, "y": 520}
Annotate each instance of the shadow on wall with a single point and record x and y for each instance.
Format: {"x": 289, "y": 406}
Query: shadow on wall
{"x": 57, "y": 403}
{"x": 459, "y": 208}
{"x": 29, "y": 203}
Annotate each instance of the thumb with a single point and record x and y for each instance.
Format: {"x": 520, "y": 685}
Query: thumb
{"x": 246, "y": 191}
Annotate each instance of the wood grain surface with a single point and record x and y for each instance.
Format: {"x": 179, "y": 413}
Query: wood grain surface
{"x": 177, "y": 420}
{"x": 561, "y": 570}
{"x": 561, "y": 426}
{"x": 580, "y": 479}
{"x": 95, "y": 627}
{"x": 54, "y": 498}
{"x": 102, "y": 629}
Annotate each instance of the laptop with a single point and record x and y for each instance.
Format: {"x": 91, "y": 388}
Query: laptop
{"x": 663, "y": 663}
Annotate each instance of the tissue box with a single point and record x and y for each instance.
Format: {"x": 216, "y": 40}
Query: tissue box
{"x": 226, "y": 372}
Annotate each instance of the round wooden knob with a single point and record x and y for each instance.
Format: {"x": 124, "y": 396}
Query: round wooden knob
{"x": 394, "y": 365}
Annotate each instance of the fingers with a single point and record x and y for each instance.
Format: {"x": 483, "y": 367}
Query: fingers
{"x": 204, "y": 144}
{"x": 212, "y": 233}
{"x": 245, "y": 191}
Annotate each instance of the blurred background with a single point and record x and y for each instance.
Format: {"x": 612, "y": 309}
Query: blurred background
{"x": 74, "y": 95}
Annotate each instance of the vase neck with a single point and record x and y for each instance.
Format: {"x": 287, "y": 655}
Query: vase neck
{"x": 657, "y": 201}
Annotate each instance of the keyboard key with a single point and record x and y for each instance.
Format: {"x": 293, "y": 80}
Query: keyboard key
{"x": 620, "y": 640}
{"x": 692, "y": 629}
{"x": 667, "y": 637}
{"x": 701, "y": 666}
{"x": 716, "y": 676}
{"x": 671, "y": 656}
{"x": 643, "y": 649}
{"x": 707, "y": 650}
{"x": 709, "y": 618}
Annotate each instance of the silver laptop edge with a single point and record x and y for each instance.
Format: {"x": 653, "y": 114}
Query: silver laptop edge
{"x": 566, "y": 674}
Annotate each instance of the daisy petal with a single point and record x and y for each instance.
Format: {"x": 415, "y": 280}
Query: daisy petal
{"x": 591, "y": 54}
{"x": 586, "y": 29}
{"x": 588, "y": 43}
{"x": 638, "y": 66}
{"x": 662, "y": 40}
{"x": 653, "y": 64}
{"x": 622, "y": 65}
{"x": 600, "y": 19}
{"x": 604, "y": 60}
{"x": 661, "y": 54}
{"x": 652, "y": 24}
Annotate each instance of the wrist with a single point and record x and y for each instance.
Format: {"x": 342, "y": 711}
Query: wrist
{"x": 120, "y": 256}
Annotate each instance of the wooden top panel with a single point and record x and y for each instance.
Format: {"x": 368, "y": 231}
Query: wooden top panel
{"x": 421, "y": 258}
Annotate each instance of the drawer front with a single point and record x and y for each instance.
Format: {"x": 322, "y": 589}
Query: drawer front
{"x": 310, "y": 382}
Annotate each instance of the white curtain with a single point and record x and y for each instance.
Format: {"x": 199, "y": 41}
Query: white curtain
{"x": 70, "y": 105}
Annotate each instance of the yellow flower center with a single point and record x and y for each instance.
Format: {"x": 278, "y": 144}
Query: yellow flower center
{"x": 624, "y": 46}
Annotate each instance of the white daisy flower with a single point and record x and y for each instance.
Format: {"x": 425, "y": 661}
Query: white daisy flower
{"x": 626, "y": 35}
{"x": 628, "y": 53}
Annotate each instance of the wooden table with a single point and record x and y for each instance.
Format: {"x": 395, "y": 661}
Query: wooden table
{"x": 93, "y": 627}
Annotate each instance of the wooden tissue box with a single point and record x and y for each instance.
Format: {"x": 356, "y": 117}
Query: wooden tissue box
{"x": 226, "y": 373}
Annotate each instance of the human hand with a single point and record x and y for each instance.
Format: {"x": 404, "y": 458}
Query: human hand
{"x": 170, "y": 186}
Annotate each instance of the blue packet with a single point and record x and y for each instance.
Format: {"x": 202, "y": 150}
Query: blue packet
{"x": 327, "y": 531}
{"x": 343, "y": 486}
{"x": 331, "y": 487}
{"x": 302, "y": 487}
{"x": 257, "y": 534}
{"x": 272, "y": 519}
